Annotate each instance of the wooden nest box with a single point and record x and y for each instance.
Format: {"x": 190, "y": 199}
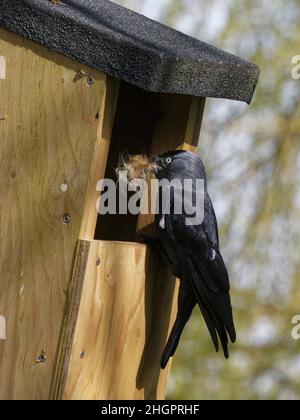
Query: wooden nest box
{"x": 85, "y": 310}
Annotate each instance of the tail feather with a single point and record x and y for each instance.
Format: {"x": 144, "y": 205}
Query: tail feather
{"x": 216, "y": 310}
{"x": 186, "y": 304}
{"x": 209, "y": 321}
{"x": 214, "y": 325}
{"x": 172, "y": 343}
{"x": 217, "y": 294}
{"x": 220, "y": 304}
{"x": 215, "y": 306}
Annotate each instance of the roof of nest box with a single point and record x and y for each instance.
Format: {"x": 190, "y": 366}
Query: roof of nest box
{"x": 131, "y": 47}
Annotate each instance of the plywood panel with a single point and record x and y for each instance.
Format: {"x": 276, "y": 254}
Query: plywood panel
{"x": 122, "y": 324}
{"x": 47, "y": 144}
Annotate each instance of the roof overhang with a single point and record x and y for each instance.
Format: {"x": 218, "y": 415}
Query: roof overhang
{"x": 131, "y": 47}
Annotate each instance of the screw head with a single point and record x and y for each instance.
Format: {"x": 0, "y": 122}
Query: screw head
{"x": 66, "y": 218}
{"x": 98, "y": 262}
{"x": 42, "y": 358}
{"x": 82, "y": 354}
{"x": 90, "y": 80}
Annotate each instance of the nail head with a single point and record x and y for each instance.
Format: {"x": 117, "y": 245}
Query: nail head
{"x": 66, "y": 219}
{"x": 90, "y": 80}
{"x": 42, "y": 358}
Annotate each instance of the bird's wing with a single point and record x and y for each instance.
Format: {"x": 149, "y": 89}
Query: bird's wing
{"x": 205, "y": 271}
{"x": 202, "y": 242}
{"x": 210, "y": 224}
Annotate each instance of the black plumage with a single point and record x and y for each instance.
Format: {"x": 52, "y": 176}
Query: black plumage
{"x": 193, "y": 253}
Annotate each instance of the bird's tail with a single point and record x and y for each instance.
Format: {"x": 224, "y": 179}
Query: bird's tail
{"x": 174, "y": 339}
{"x": 217, "y": 313}
{"x": 186, "y": 304}
{"x": 215, "y": 305}
{"x": 172, "y": 343}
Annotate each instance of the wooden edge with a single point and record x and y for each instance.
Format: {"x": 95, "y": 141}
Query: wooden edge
{"x": 98, "y": 166}
{"x": 71, "y": 315}
{"x": 194, "y": 123}
{"x": 70, "y": 320}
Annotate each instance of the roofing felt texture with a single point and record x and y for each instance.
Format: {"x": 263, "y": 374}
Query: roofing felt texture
{"x": 131, "y": 47}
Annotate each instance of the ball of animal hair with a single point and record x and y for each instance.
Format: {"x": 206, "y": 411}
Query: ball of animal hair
{"x": 136, "y": 167}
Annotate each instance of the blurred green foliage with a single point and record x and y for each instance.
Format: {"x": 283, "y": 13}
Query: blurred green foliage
{"x": 253, "y": 160}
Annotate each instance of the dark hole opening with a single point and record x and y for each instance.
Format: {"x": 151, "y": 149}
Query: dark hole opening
{"x": 136, "y": 117}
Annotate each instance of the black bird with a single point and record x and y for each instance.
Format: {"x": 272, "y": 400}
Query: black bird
{"x": 194, "y": 256}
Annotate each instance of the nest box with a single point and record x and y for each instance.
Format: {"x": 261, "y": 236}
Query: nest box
{"x": 84, "y": 310}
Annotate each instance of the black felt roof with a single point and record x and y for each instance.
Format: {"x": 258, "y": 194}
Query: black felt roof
{"x": 131, "y": 47}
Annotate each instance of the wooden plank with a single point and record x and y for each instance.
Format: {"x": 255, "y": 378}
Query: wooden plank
{"x": 180, "y": 124}
{"x": 194, "y": 123}
{"x": 70, "y": 320}
{"x": 98, "y": 167}
{"x": 121, "y": 328}
{"x": 46, "y": 150}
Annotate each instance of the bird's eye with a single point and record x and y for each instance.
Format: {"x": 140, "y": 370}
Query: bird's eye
{"x": 168, "y": 160}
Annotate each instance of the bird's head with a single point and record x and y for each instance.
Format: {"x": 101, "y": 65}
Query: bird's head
{"x": 179, "y": 164}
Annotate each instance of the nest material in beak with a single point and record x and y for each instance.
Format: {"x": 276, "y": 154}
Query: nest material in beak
{"x": 137, "y": 167}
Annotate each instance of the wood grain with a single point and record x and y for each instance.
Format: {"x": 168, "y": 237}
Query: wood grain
{"x": 70, "y": 319}
{"x": 47, "y": 140}
{"x": 122, "y": 325}
{"x": 98, "y": 167}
